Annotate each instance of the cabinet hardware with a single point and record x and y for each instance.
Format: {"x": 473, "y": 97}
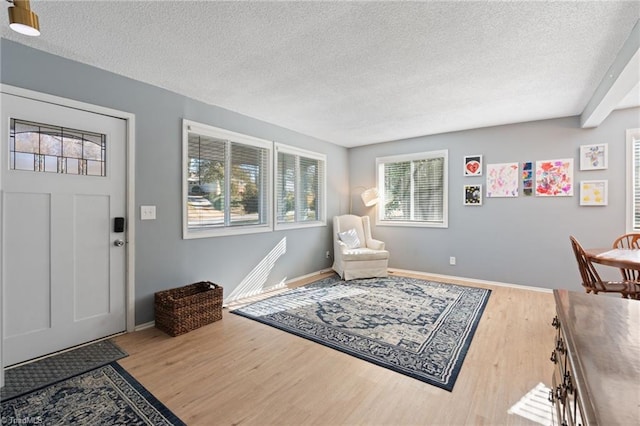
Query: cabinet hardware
{"x": 559, "y": 395}
{"x": 567, "y": 382}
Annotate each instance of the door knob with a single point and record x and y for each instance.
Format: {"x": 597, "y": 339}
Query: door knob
{"x": 118, "y": 243}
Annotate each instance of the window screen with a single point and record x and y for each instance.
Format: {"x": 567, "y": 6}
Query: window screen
{"x": 633, "y": 140}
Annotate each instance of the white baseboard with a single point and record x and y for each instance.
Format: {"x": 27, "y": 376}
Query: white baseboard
{"x": 302, "y": 277}
{"x": 472, "y": 280}
{"x": 144, "y": 326}
{"x": 151, "y": 324}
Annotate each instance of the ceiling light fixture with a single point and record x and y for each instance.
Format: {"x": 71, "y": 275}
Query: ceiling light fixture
{"x": 22, "y": 19}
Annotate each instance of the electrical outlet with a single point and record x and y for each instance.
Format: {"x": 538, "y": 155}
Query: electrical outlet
{"x": 327, "y": 254}
{"x": 452, "y": 260}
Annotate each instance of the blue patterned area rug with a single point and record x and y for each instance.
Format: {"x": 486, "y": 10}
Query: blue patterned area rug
{"x": 105, "y": 396}
{"x": 419, "y": 328}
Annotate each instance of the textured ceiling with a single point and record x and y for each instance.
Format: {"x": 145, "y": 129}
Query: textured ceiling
{"x": 353, "y": 73}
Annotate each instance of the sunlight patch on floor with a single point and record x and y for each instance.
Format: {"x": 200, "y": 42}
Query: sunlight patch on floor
{"x": 535, "y": 406}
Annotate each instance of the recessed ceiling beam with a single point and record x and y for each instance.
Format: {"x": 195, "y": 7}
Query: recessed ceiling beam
{"x": 621, "y": 78}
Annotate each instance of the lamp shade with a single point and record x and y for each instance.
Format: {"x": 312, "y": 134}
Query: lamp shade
{"x": 23, "y": 20}
{"x": 370, "y": 197}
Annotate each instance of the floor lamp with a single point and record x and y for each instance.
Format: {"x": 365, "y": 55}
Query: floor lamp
{"x": 370, "y": 197}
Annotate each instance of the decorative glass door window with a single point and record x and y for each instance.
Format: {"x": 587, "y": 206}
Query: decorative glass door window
{"x": 41, "y": 147}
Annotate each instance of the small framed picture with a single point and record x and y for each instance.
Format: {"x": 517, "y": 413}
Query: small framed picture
{"x": 594, "y": 157}
{"x": 593, "y": 192}
{"x": 473, "y": 165}
{"x": 473, "y": 195}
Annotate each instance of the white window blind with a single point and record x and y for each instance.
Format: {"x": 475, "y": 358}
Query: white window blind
{"x": 300, "y": 187}
{"x": 227, "y": 182}
{"x": 633, "y": 178}
{"x": 413, "y": 189}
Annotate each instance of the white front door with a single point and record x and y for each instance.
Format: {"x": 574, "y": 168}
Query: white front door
{"x": 63, "y": 267}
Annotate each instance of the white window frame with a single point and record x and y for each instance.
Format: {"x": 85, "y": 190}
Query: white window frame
{"x": 633, "y": 180}
{"x": 224, "y": 230}
{"x": 321, "y": 203}
{"x": 381, "y": 161}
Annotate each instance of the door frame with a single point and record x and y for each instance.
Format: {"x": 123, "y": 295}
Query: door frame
{"x": 130, "y": 119}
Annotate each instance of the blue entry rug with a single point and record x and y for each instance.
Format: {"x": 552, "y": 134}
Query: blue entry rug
{"x": 419, "y": 328}
{"x": 105, "y": 396}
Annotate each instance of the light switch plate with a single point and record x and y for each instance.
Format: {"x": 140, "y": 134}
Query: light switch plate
{"x": 147, "y": 212}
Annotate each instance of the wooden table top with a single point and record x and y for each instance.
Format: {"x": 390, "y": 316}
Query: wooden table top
{"x": 618, "y": 258}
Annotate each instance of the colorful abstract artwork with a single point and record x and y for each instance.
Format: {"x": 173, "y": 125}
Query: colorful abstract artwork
{"x": 473, "y": 195}
{"x": 554, "y": 178}
{"x": 527, "y": 178}
{"x": 502, "y": 180}
{"x": 473, "y": 165}
{"x": 593, "y": 157}
{"x": 593, "y": 192}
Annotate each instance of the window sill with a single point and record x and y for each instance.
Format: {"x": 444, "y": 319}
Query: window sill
{"x": 299, "y": 225}
{"x": 190, "y": 234}
{"x": 412, "y": 224}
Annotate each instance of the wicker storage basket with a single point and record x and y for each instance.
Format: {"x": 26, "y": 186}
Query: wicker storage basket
{"x": 183, "y": 309}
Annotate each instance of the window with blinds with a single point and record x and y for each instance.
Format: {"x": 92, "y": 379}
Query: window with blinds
{"x": 300, "y": 187}
{"x": 633, "y": 173}
{"x": 413, "y": 189}
{"x": 227, "y": 178}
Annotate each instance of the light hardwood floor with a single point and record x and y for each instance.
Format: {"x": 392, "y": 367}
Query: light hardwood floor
{"x": 239, "y": 372}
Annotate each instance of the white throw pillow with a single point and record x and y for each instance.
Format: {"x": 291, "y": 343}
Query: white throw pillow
{"x": 350, "y": 238}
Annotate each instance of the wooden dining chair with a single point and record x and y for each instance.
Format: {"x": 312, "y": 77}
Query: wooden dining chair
{"x": 591, "y": 280}
{"x": 628, "y": 241}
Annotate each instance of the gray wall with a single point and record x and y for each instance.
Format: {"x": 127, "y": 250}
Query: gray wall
{"x": 522, "y": 240}
{"x": 163, "y": 259}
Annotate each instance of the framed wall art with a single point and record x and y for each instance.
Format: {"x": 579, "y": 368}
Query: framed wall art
{"x": 502, "y": 180}
{"x": 593, "y": 192}
{"x": 473, "y": 165}
{"x": 554, "y": 178}
{"x": 527, "y": 178}
{"x": 594, "y": 157}
{"x": 473, "y": 195}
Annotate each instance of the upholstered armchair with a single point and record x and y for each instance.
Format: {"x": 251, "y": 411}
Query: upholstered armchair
{"x": 356, "y": 253}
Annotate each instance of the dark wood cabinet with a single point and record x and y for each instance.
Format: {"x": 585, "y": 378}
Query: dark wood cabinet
{"x": 596, "y": 352}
